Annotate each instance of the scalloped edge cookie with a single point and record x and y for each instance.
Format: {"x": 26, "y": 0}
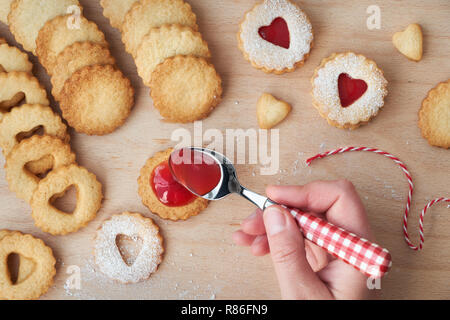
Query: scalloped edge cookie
{"x": 266, "y": 56}
{"x": 150, "y": 200}
{"x": 96, "y": 100}
{"x": 434, "y": 116}
{"x": 76, "y": 57}
{"x": 185, "y": 89}
{"x": 107, "y": 254}
{"x": 325, "y": 94}
{"x": 166, "y": 42}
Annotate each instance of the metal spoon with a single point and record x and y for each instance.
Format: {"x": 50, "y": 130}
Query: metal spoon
{"x": 367, "y": 257}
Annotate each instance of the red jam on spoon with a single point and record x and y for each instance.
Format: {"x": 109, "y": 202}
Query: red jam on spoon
{"x": 195, "y": 170}
{"x": 167, "y": 189}
{"x": 277, "y": 33}
{"x": 350, "y": 89}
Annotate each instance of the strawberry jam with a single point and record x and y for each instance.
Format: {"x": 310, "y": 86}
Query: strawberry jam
{"x": 277, "y": 33}
{"x": 195, "y": 170}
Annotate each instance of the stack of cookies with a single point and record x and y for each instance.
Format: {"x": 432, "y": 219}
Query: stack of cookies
{"x": 35, "y": 143}
{"x": 95, "y": 97}
{"x": 171, "y": 56}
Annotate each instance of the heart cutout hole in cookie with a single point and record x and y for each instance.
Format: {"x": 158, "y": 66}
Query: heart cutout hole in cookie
{"x": 276, "y": 33}
{"x": 42, "y": 174}
{"x": 350, "y": 90}
{"x": 129, "y": 248}
{"x": 19, "y": 267}
{"x": 66, "y": 201}
{"x": 13, "y": 263}
{"x": 38, "y": 131}
{"x": 17, "y": 100}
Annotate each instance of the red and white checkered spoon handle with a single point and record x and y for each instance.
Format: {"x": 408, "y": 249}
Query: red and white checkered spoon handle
{"x": 367, "y": 257}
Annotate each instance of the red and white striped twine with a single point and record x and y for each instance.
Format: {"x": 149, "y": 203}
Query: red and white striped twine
{"x": 411, "y": 189}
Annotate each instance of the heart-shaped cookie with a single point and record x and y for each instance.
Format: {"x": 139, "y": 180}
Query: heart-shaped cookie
{"x": 277, "y": 33}
{"x": 271, "y": 111}
{"x": 350, "y": 89}
{"x": 410, "y": 42}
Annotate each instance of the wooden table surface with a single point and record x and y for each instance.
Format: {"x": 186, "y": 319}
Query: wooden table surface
{"x": 201, "y": 262}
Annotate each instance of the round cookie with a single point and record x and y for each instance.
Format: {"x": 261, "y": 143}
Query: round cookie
{"x": 89, "y": 198}
{"x": 165, "y": 42}
{"x": 107, "y": 254}
{"x": 434, "y": 116}
{"x": 27, "y": 17}
{"x": 5, "y": 8}
{"x": 16, "y": 86}
{"x": 152, "y": 202}
{"x": 185, "y": 89}
{"x": 40, "y": 280}
{"x": 12, "y": 59}
{"x": 147, "y": 14}
{"x": 76, "y": 57}
{"x": 24, "y": 183}
{"x": 348, "y": 90}
{"x": 115, "y": 11}
{"x": 55, "y": 36}
{"x": 276, "y": 36}
{"x": 25, "y": 119}
{"x": 96, "y": 100}
{"x": 26, "y": 265}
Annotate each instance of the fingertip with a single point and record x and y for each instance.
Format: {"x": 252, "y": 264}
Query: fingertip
{"x": 260, "y": 246}
{"x": 242, "y": 239}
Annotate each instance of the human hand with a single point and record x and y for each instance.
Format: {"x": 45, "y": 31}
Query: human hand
{"x": 304, "y": 270}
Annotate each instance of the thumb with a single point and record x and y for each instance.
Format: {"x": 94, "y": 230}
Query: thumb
{"x": 296, "y": 278}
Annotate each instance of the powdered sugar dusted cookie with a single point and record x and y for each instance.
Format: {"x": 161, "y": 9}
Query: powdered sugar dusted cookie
{"x": 348, "y": 90}
{"x": 434, "y": 116}
{"x": 109, "y": 258}
{"x": 276, "y": 36}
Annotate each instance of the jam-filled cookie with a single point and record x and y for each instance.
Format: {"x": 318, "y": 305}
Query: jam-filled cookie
{"x": 276, "y": 36}
{"x": 348, "y": 90}
{"x": 163, "y": 195}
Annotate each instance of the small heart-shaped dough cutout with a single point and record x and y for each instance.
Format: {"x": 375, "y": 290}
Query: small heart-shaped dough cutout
{"x": 129, "y": 248}
{"x": 271, "y": 111}
{"x": 410, "y": 42}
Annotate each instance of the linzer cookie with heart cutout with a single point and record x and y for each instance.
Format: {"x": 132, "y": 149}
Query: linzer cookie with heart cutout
{"x": 348, "y": 90}
{"x": 109, "y": 256}
{"x": 276, "y": 36}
